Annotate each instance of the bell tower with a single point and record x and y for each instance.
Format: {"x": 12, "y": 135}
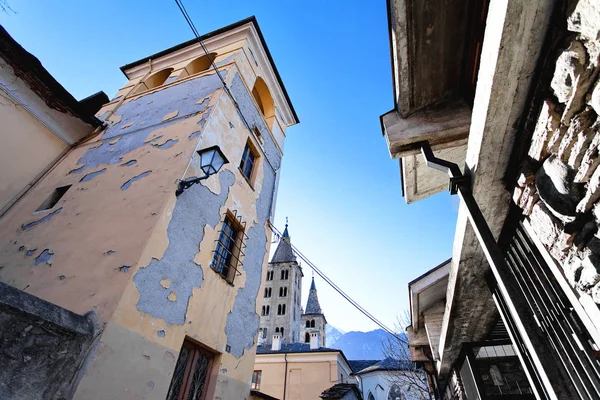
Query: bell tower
{"x": 281, "y": 309}
{"x": 313, "y": 320}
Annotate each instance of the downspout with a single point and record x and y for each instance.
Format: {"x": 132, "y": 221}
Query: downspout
{"x": 285, "y": 375}
{"x": 515, "y": 307}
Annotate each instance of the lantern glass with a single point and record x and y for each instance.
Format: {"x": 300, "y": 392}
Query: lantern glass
{"x": 211, "y": 160}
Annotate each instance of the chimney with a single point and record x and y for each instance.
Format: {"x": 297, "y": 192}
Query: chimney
{"x": 276, "y": 345}
{"x": 314, "y": 340}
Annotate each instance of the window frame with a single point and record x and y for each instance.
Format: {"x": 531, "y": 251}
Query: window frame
{"x": 255, "y": 381}
{"x": 233, "y": 248}
{"x": 249, "y": 148}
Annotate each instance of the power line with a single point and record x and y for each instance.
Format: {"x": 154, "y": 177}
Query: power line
{"x": 189, "y": 21}
{"x": 334, "y": 286}
{"x": 273, "y": 228}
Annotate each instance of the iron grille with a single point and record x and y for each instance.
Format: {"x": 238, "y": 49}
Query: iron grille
{"x": 560, "y": 325}
{"x": 231, "y": 243}
{"x": 191, "y": 373}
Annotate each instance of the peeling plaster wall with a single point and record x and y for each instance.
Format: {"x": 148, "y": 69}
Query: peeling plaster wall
{"x": 176, "y": 273}
{"x": 119, "y": 242}
{"x": 103, "y": 221}
{"x": 242, "y": 322}
{"x": 182, "y": 269}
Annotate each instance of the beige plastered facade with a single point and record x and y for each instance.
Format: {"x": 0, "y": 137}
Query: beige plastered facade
{"x": 102, "y": 234}
{"x": 308, "y": 374}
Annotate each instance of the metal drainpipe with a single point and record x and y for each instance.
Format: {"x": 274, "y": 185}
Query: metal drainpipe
{"x": 285, "y": 375}
{"x": 517, "y": 307}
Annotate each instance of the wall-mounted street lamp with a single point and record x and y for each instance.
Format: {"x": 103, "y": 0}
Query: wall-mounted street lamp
{"x": 211, "y": 161}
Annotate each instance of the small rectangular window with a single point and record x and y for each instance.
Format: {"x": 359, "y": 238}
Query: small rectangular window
{"x": 256, "y": 375}
{"x": 54, "y": 197}
{"x": 258, "y": 135}
{"x": 227, "y": 252}
{"x": 192, "y": 373}
{"x": 248, "y": 162}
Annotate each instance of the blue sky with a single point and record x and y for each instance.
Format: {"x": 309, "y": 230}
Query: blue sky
{"x": 339, "y": 187}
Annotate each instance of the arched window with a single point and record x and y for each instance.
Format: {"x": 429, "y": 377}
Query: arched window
{"x": 307, "y": 337}
{"x": 264, "y": 100}
{"x": 312, "y": 323}
{"x": 263, "y": 310}
{"x": 395, "y": 393}
{"x": 307, "y": 325}
{"x": 370, "y": 397}
{"x": 198, "y": 65}
{"x": 268, "y": 308}
{"x": 276, "y": 330}
{"x": 154, "y": 80}
{"x": 280, "y": 292}
{"x": 281, "y": 330}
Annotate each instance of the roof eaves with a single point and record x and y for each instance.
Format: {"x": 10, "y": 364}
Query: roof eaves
{"x": 430, "y": 271}
{"x": 37, "y": 77}
{"x": 208, "y": 35}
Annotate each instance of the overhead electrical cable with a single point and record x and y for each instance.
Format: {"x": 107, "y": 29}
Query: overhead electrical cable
{"x": 334, "y": 286}
{"x": 189, "y": 21}
{"x": 273, "y": 228}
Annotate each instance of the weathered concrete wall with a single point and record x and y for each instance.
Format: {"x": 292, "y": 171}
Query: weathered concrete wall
{"x": 42, "y": 346}
{"x": 559, "y": 184}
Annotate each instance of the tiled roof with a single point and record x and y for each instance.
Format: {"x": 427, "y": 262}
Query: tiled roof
{"x": 359, "y": 365}
{"x": 293, "y": 348}
{"x": 262, "y": 395}
{"x": 388, "y": 364}
{"x": 284, "y": 252}
{"x": 312, "y": 305}
{"x": 340, "y": 390}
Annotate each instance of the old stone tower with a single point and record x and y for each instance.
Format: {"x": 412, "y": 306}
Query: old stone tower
{"x": 313, "y": 320}
{"x": 283, "y": 288}
{"x": 281, "y": 311}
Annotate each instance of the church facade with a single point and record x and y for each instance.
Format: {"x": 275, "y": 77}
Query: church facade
{"x": 281, "y": 312}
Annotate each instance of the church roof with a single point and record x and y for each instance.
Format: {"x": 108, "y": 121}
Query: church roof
{"x": 340, "y": 390}
{"x": 294, "y": 348}
{"x": 312, "y": 305}
{"x": 284, "y": 252}
{"x": 387, "y": 364}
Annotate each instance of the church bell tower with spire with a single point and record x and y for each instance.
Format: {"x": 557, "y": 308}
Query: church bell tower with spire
{"x": 281, "y": 310}
{"x": 313, "y": 319}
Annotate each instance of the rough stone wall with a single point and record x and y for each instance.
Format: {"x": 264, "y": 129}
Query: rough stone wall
{"x": 290, "y": 322}
{"x": 42, "y": 346}
{"x": 559, "y": 183}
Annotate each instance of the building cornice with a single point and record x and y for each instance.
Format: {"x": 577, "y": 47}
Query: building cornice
{"x": 246, "y": 29}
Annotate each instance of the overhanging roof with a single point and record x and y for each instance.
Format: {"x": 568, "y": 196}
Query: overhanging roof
{"x": 252, "y": 20}
{"x": 39, "y": 80}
